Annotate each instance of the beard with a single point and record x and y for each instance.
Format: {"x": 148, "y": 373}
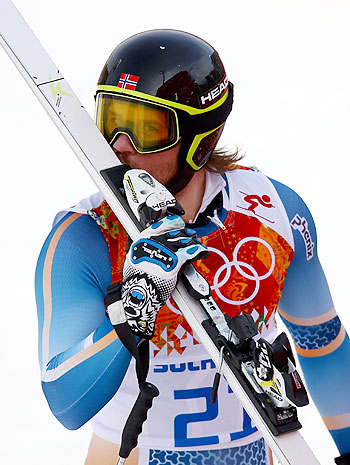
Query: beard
{"x": 164, "y": 173}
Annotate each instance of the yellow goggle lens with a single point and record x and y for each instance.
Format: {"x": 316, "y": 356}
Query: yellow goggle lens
{"x": 151, "y": 127}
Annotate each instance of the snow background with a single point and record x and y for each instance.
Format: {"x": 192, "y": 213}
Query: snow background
{"x": 290, "y": 65}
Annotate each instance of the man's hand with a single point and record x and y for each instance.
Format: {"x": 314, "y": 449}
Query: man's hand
{"x": 151, "y": 270}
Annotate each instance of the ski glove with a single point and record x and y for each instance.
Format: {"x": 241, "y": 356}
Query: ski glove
{"x": 151, "y": 270}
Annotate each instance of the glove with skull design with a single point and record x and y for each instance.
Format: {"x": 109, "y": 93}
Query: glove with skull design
{"x": 151, "y": 270}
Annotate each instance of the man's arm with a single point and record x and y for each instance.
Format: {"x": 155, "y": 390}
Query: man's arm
{"x": 82, "y": 361}
{"x": 320, "y": 339}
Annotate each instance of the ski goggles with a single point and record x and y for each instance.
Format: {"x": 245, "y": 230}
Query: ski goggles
{"x": 153, "y": 125}
{"x": 150, "y": 126}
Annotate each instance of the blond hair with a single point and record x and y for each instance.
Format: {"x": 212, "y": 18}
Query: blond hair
{"x": 222, "y": 160}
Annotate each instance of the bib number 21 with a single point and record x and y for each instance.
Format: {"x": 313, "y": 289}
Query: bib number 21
{"x": 182, "y": 421}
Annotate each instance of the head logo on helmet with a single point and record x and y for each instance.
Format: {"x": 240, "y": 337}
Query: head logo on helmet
{"x": 162, "y": 86}
{"x": 209, "y": 97}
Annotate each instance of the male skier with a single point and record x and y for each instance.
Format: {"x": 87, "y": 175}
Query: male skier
{"x": 161, "y": 103}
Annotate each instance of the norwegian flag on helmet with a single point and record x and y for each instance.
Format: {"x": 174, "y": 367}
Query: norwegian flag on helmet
{"x": 128, "y": 81}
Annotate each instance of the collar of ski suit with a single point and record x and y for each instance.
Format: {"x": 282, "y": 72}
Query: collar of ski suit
{"x": 214, "y": 183}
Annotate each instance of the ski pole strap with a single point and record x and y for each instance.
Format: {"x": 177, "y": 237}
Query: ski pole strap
{"x": 116, "y": 314}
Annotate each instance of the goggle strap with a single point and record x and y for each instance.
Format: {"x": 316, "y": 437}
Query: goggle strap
{"x": 204, "y": 122}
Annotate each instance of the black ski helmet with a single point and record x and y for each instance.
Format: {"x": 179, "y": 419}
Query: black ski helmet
{"x": 180, "y": 75}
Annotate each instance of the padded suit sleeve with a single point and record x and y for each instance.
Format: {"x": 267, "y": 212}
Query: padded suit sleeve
{"x": 82, "y": 361}
{"x": 321, "y": 342}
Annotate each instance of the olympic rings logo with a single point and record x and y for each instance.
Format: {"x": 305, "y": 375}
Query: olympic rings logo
{"x": 239, "y": 265}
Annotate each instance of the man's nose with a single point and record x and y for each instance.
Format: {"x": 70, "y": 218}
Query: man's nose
{"x": 123, "y": 144}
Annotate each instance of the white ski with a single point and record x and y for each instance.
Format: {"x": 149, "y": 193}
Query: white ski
{"x": 62, "y": 105}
